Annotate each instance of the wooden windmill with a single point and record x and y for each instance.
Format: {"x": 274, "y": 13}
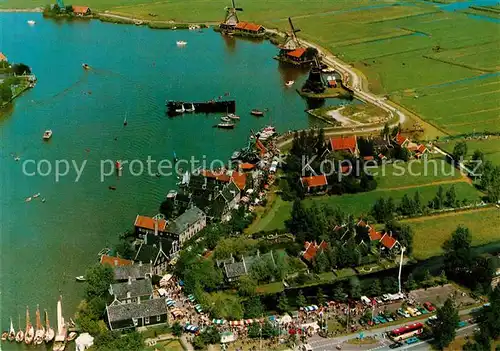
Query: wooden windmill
{"x": 231, "y": 19}
{"x": 291, "y": 41}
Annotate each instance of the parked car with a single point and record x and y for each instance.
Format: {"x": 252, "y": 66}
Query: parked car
{"x": 412, "y": 340}
{"x": 428, "y": 306}
{"x": 422, "y": 310}
{"x": 396, "y": 345}
{"x": 462, "y": 324}
{"x": 382, "y": 319}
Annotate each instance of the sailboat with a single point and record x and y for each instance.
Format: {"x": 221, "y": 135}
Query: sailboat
{"x": 175, "y": 157}
{"x": 49, "y": 332}
{"x": 20, "y": 333}
{"x": 12, "y": 332}
{"x": 29, "y": 333}
{"x": 40, "y": 330}
{"x": 60, "y": 338}
{"x": 125, "y": 121}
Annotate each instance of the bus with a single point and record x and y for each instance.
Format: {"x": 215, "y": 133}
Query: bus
{"x": 406, "y": 331}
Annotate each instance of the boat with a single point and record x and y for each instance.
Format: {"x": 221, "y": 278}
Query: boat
{"x": 180, "y": 110}
{"x": 28, "y": 199}
{"x": 31, "y": 22}
{"x": 112, "y": 187}
{"x": 47, "y": 134}
{"x": 60, "y": 338}
{"x": 43, "y": 199}
{"x": 175, "y": 157}
{"x": 289, "y": 83}
{"x": 125, "y": 121}
{"x": 36, "y": 195}
{"x": 20, "y": 333}
{"x": 85, "y": 66}
{"x": 80, "y": 278}
{"x": 189, "y": 109}
{"x": 328, "y": 70}
{"x": 49, "y": 332}
{"x": 138, "y": 23}
{"x": 225, "y": 119}
{"x": 256, "y": 112}
{"x": 17, "y": 158}
{"x": 72, "y": 336}
{"x": 12, "y": 333}
{"x": 5, "y": 335}
{"x": 181, "y": 42}
{"x": 29, "y": 333}
{"x": 118, "y": 165}
{"x": 233, "y": 116}
{"x": 225, "y": 125}
{"x": 40, "y": 330}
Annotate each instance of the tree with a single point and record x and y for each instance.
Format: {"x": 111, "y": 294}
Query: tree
{"x": 320, "y": 296}
{"x": 283, "y": 305}
{"x": 410, "y": 283}
{"x": 406, "y": 206}
{"x": 20, "y": 69}
{"x": 375, "y": 288}
{"x": 177, "y": 329}
{"x": 385, "y": 133}
{"x": 246, "y": 286}
{"x": 355, "y": 288}
{"x": 417, "y": 203}
{"x": 451, "y": 197}
{"x": 5, "y": 92}
{"x": 339, "y": 294}
{"x": 458, "y": 253}
{"x": 321, "y": 262}
{"x": 445, "y": 325}
{"x": 390, "y": 285}
{"x": 301, "y": 300}
{"x": 460, "y": 150}
{"x": 298, "y": 224}
{"x": 253, "y": 307}
{"x": 98, "y": 279}
{"x": 254, "y": 330}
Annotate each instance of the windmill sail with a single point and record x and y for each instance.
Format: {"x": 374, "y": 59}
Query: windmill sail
{"x": 231, "y": 15}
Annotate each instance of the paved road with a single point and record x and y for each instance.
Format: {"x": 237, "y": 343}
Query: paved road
{"x": 321, "y": 344}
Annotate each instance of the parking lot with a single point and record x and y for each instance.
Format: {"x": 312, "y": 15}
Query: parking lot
{"x": 437, "y": 295}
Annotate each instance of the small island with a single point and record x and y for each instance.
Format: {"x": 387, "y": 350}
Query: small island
{"x": 14, "y": 80}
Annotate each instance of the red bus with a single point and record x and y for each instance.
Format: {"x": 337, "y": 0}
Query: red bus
{"x": 406, "y": 331}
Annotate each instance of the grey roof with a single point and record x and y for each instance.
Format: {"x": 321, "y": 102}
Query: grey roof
{"x": 223, "y": 262}
{"x": 136, "y": 288}
{"x": 148, "y": 308}
{"x": 237, "y": 269}
{"x": 148, "y": 251}
{"x": 135, "y": 271}
{"x": 230, "y": 191}
{"x": 185, "y": 220}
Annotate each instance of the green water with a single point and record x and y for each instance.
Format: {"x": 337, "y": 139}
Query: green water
{"x": 135, "y": 69}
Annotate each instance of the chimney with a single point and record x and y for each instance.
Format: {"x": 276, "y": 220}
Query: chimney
{"x": 129, "y": 280}
{"x": 156, "y": 225}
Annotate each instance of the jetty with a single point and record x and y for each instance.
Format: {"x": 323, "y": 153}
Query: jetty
{"x": 175, "y": 108}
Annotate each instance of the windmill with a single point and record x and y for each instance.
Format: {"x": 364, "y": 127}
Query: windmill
{"x": 60, "y": 3}
{"x": 231, "y": 15}
{"x": 315, "y": 83}
{"x": 291, "y": 41}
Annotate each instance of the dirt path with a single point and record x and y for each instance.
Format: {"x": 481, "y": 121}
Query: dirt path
{"x": 447, "y": 214}
{"x": 440, "y": 182}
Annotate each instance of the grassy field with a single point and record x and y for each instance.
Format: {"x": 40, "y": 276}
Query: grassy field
{"x": 432, "y": 232}
{"x": 490, "y": 147}
{"x": 360, "y": 204}
{"x": 169, "y": 345}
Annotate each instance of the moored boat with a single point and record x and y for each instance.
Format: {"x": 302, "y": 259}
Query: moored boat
{"x": 5, "y": 335}
{"x": 225, "y": 119}
{"x": 72, "y": 336}
{"x": 190, "y": 108}
{"x": 31, "y": 22}
{"x": 28, "y": 199}
{"x": 81, "y": 278}
{"x": 47, "y": 134}
{"x": 40, "y": 330}
{"x": 233, "y": 116}
{"x": 49, "y": 332}
{"x": 289, "y": 83}
{"x": 20, "y": 333}
{"x": 181, "y": 42}
{"x": 180, "y": 110}
{"x": 29, "y": 333}
{"x": 36, "y": 195}
{"x": 85, "y": 66}
{"x": 256, "y": 112}
{"x": 225, "y": 125}
{"x": 60, "y": 338}
{"x": 12, "y": 332}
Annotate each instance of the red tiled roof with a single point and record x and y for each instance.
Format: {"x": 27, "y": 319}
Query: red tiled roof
{"x": 343, "y": 143}
{"x": 80, "y": 9}
{"x": 314, "y": 181}
{"x": 361, "y": 223}
{"x": 381, "y": 156}
{"x": 345, "y": 169}
{"x": 388, "y": 241}
{"x": 218, "y": 175}
{"x": 247, "y": 166}
{"x": 400, "y": 140}
{"x": 249, "y": 26}
{"x": 3, "y": 57}
{"x": 261, "y": 147}
{"x": 297, "y": 52}
{"x": 240, "y": 179}
{"x": 412, "y": 148}
{"x": 374, "y": 235}
{"x": 312, "y": 249}
{"x": 149, "y": 223}
{"x": 115, "y": 261}
{"x": 368, "y": 158}
{"x": 421, "y": 148}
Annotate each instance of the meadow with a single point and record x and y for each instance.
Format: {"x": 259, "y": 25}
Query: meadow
{"x": 361, "y": 204}
{"x": 432, "y": 232}
{"x": 490, "y": 147}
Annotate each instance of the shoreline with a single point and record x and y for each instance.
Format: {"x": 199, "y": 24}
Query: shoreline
{"x": 32, "y": 10}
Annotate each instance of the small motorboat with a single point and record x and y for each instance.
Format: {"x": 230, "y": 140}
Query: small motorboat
{"x": 225, "y": 119}
{"x": 181, "y": 42}
{"x": 17, "y": 158}
{"x": 43, "y": 199}
{"x": 233, "y": 116}
{"x": 180, "y": 110}
{"x": 36, "y": 195}
{"x": 85, "y": 66}
{"x": 236, "y": 155}
{"x": 80, "y": 278}
{"x": 289, "y": 83}
{"x": 189, "y": 109}
{"x": 5, "y": 335}
{"x": 256, "y": 112}
{"x": 31, "y": 22}
{"x": 225, "y": 125}
{"x": 125, "y": 121}
{"x": 111, "y": 187}
{"x": 138, "y": 23}
{"x": 28, "y": 199}
{"x": 71, "y": 336}
{"x": 47, "y": 134}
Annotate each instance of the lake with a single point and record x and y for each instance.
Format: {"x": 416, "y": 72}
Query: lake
{"x": 134, "y": 70}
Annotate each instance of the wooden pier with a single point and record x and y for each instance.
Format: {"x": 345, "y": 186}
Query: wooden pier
{"x": 175, "y": 108}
